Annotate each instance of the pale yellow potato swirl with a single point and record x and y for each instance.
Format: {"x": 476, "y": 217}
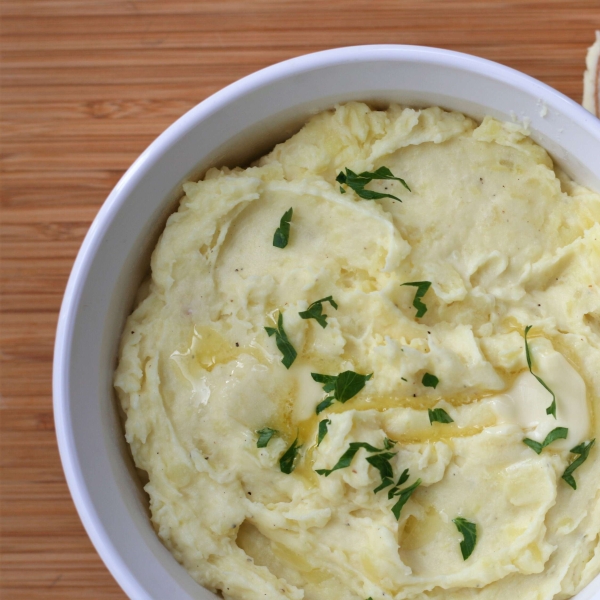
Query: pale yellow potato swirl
{"x": 506, "y": 240}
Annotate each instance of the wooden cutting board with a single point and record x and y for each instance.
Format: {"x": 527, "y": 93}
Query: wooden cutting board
{"x": 86, "y": 86}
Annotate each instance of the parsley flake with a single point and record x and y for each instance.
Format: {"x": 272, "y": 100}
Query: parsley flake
{"x": 396, "y": 489}
{"x": 315, "y": 311}
{"x": 324, "y": 404}
{"x": 264, "y": 436}
{"x": 551, "y": 410}
{"x": 439, "y": 415}
{"x": 283, "y": 343}
{"x": 286, "y": 462}
{"x": 382, "y": 463}
{"x": 282, "y": 233}
{"x": 583, "y": 450}
{"x": 348, "y": 384}
{"x": 328, "y": 381}
{"x": 422, "y": 288}
{"x": 404, "y": 495}
{"x": 430, "y": 380}
{"x": 358, "y": 181}
{"x": 344, "y": 386}
{"x": 346, "y": 458}
{"x": 469, "y": 532}
{"x": 559, "y": 433}
{"x": 323, "y": 430}
{"x": 385, "y": 482}
{"x": 404, "y": 477}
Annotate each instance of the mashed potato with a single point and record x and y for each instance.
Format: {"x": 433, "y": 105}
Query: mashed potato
{"x": 414, "y": 480}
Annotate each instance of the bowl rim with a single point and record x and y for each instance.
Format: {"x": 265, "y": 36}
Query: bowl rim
{"x": 144, "y": 163}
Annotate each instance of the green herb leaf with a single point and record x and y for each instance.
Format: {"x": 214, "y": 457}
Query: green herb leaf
{"x": 344, "y": 386}
{"x": 382, "y": 463}
{"x": 282, "y": 233}
{"x": 387, "y": 443}
{"x": 322, "y": 430}
{"x": 551, "y": 410}
{"x": 348, "y": 384}
{"x": 430, "y": 380}
{"x": 283, "y": 343}
{"x": 396, "y": 489}
{"x": 439, "y": 415}
{"x": 325, "y": 404}
{"x": 404, "y": 477}
{"x": 559, "y": 433}
{"x": 347, "y": 457}
{"x": 422, "y": 287}
{"x": 286, "y": 462}
{"x": 469, "y": 532}
{"x": 315, "y": 311}
{"x": 386, "y": 482}
{"x": 404, "y": 495}
{"x": 328, "y": 381}
{"x": 264, "y": 436}
{"x": 583, "y": 450}
{"x": 358, "y": 181}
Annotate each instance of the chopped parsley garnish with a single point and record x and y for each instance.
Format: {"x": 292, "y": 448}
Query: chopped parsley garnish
{"x": 387, "y": 443}
{"x": 315, "y": 311}
{"x": 344, "y": 386}
{"x": 430, "y": 380}
{"x": 387, "y": 481}
{"x": 325, "y": 404}
{"x": 551, "y": 410}
{"x": 283, "y": 343}
{"x": 358, "y": 181}
{"x": 583, "y": 450}
{"x": 396, "y": 489}
{"x": 422, "y": 287}
{"x": 469, "y": 532}
{"x": 404, "y": 477}
{"x": 382, "y": 463}
{"x": 347, "y": 457}
{"x": 264, "y": 436}
{"x": 322, "y": 430}
{"x": 328, "y": 381}
{"x": 282, "y": 233}
{"x": 559, "y": 433}
{"x": 286, "y": 462}
{"x": 348, "y": 384}
{"x": 404, "y": 495}
{"x": 439, "y": 415}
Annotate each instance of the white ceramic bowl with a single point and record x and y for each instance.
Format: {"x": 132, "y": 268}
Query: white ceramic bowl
{"x": 238, "y": 124}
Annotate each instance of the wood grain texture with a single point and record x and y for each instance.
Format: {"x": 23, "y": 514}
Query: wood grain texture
{"x": 86, "y": 86}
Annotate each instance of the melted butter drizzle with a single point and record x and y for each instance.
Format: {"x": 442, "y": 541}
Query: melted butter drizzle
{"x": 209, "y": 348}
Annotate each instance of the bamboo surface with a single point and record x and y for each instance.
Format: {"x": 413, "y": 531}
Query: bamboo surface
{"x": 85, "y": 87}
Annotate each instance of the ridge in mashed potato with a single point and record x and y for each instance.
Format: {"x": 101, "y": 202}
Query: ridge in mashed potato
{"x": 507, "y": 241}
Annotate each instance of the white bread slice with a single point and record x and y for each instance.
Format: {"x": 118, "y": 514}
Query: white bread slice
{"x": 591, "y": 78}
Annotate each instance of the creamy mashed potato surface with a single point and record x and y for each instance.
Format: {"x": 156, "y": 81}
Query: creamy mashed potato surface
{"x": 506, "y": 241}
